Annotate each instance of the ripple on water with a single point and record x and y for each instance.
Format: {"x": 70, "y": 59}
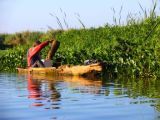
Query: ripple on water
{"x": 72, "y": 100}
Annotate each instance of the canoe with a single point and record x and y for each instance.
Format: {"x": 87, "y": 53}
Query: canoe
{"x": 90, "y": 70}
{"x": 78, "y": 70}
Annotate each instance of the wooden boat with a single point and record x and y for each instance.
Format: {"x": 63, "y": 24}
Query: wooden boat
{"x": 78, "y": 70}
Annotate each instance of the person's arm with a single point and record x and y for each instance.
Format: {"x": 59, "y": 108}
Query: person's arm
{"x": 38, "y": 48}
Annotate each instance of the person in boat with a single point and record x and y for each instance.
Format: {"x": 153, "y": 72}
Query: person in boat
{"x": 33, "y": 54}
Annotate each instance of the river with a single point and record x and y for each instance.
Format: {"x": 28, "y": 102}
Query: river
{"x": 40, "y": 97}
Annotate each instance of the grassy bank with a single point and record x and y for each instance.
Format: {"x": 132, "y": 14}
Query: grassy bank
{"x": 131, "y": 49}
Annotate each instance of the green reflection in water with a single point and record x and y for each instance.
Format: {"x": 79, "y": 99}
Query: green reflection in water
{"x": 137, "y": 88}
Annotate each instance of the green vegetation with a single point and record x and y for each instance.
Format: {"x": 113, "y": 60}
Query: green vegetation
{"x": 131, "y": 49}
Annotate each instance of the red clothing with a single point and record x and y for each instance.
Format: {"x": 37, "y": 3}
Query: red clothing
{"x": 33, "y": 51}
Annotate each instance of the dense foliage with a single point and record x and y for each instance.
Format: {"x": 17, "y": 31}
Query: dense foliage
{"x": 131, "y": 49}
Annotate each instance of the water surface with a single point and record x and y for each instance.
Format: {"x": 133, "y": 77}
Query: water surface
{"x": 25, "y": 97}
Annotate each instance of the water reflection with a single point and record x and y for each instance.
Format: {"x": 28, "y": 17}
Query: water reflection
{"x": 69, "y": 93}
{"x": 142, "y": 91}
{"x": 41, "y": 91}
{"x": 34, "y": 88}
{"x": 75, "y": 83}
{"x": 48, "y": 97}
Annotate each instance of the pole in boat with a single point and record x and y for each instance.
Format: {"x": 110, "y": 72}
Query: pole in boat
{"x": 54, "y": 47}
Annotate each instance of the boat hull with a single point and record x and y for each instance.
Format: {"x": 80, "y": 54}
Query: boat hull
{"x": 80, "y": 70}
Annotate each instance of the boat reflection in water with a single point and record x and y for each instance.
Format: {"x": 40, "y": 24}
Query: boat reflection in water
{"x": 73, "y": 97}
{"x": 43, "y": 89}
